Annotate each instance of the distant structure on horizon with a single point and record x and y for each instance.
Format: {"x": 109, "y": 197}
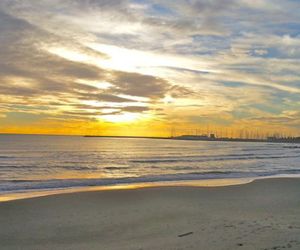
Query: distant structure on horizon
{"x": 241, "y": 135}
{"x": 212, "y": 137}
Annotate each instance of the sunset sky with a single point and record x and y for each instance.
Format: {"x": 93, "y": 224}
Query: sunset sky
{"x": 114, "y": 67}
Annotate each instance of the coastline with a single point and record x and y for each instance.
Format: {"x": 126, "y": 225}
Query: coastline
{"x": 197, "y": 183}
{"x": 291, "y": 140}
{"x": 263, "y": 214}
{"x": 27, "y": 194}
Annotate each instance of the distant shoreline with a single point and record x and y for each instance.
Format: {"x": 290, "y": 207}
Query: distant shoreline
{"x": 129, "y": 137}
{"x": 292, "y": 140}
{"x": 200, "y": 138}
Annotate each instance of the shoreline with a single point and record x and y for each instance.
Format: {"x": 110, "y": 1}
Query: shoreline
{"x": 292, "y": 140}
{"x": 11, "y": 196}
{"x": 263, "y": 214}
{"x": 202, "y": 183}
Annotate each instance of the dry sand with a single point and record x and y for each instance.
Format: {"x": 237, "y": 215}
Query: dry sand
{"x": 264, "y": 214}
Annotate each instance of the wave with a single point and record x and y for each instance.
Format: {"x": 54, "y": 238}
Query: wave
{"x": 116, "y": 168}
{"x": 54, "y": 184}
{"x": 6, "y": 157}
{"x": 294, "y": 146}
{"x": 214, "y": 159}
{"x": 8, "y": 167}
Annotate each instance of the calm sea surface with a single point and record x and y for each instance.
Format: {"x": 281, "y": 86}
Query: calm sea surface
{"x": 31, "y": 162}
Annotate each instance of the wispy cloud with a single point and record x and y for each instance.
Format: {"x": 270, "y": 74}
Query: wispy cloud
{"x": 223, "y": 62}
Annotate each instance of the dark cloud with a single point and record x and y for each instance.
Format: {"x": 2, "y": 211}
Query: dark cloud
{"x": 180, "y": 91}
{"x": 21, "y": 57}
{"x": 127, "y": 108}
{"x": 136, "y": 84}
{"x": 49, "y": 74}
{"x": 135, "y": 109}
{"x": 82, "y": 113}
{"x": 9, "y": 90}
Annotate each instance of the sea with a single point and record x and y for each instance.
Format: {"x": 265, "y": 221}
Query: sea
{"x": 31, "y": 163}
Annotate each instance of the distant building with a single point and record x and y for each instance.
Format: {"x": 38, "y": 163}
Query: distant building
{"x": 212, "y": 136}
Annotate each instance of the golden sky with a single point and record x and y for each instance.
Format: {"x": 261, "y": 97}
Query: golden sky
{"x": 146, "y": 67}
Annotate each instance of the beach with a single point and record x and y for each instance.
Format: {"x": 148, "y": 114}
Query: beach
{"x": 264, "y": 214}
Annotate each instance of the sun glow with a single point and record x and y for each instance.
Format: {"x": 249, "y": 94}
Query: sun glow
{"x": 131, "y": 60}
{"x": 121, "y": 118}
{"x": 146, "y": 62}
{"x": 69, "y": 54}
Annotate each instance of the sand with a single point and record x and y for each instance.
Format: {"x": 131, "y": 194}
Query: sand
{"x": 264, "y": 214}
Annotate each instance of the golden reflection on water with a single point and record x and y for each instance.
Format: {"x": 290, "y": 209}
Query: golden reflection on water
{"x": 194, "y": 183}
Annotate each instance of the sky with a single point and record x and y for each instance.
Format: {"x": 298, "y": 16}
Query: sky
{"x": 149, "y": 68}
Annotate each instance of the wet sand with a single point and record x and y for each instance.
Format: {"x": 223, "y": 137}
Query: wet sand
{"x": 264, "y": 214}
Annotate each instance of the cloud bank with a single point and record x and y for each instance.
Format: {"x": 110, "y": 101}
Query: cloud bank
{"x": 198, "y": 63}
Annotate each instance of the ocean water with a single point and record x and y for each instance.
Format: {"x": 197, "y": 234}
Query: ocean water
{"x": 36, "y": 162}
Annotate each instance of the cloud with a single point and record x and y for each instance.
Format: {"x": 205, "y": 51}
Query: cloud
{"x": 29, "y": 71}
{"x": 185, "y": 58}
{"x": 289, "y": 118}
{"x": 135, "y": 109}
{"x": 139, "y": 85}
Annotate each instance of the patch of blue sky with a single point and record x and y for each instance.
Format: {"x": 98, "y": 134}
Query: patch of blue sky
{"x": 280, "y": 101}
{"x": 271, "y": 108}
{"x": 282, "y": 53}
{"x": 161, "y": 10}
{"x": 232, "y": 84}
{"x": 140, "y": 1}
{"x": 156, "y": 9}
{"x": 292, "y": 98}
{"x": 291, "y": 29}
{"x": 262, "y": 52}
